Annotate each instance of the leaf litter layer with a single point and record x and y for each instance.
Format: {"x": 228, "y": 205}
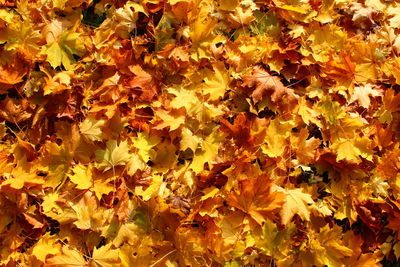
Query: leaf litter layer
{"x": 199, "y": 133}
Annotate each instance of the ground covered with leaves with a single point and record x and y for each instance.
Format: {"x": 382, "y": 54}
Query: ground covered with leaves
{"x": 199, "y": 133}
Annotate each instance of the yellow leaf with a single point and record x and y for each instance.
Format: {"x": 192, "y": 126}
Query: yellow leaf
{"x": 346, "y": 150}
{"x": 82, "y": 176}
{"x": 113, "y": 155}
{"x": 308, "y": 114}
{"x": 152, "y": 190}
{"x": 129, "y": 233}
{"x": 393, "y": 13}
{"x": 170, "y": 119}
{"x": 275, "y": 146}
{"x": 209, "y": 192}
{"x": 305, "y": 147}
{"x": 256, "y": 198}
{"x": 331, "y": 110}
{"x": 62, "y": 51}
{"x": 328, "y": 248}
{"x": 69, "y": 258}
{"x": 189, "y": 140}
{"x": 216, "y": 82}
{"x": 275, "y": 140}
{"x": 185, "y": 98}
{"x": 165, "y": 158}
{"x": 275, "y": 242}
{"x": 45, "y": 246}
{"x": 102, "y": 187}
{"x": 23, "y": 176}
{"x": 145, "y": 143}
{"x": 296, "y": 202}
{"x": 362, "y": 93}
{"x": 293, "y": 8}
{"x": 59, "y": 82}
{"x": 105, "y": 256}
{"x": 50, "y": 206}
{"x": 228, "y": 5}
{"x": 87, "y": 214}
{"x": 92, "y": 129}
{"x": 202, "y": 27}
{"x": 396, "y": 249}
{"x": 135, "y": 163}
{"x": 209, "y": 149}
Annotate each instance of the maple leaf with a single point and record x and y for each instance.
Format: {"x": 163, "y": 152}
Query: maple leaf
{"x": 393, "y": 13}
{"x": 185, "y": 98}
{"x": 275, "y": 140}
{"x": 152, "y": 190}
{"x": 306, "y": 147}
{"x": 266, "y": 84}
{"x": 69, "y": 257}
{"x": 92, "y": 129}
{"x": 274, "y": 241}
{"x": 15, "y": 110}
{"x": 331, "y": 110}
{"x": 105, "y": 256}
{"x": 255, "y": 198}
{"x": 240, "y": 129}
{"x": 391, "y": 101}
{"x": 62, "y": 51}
{"x": 362, "y": 13}
{"x": 88, "y": 215}
{"x": 145, "y": 143}
{"x": 216, "y": 82}
{"x": 129, "y": 156}
{"x": 296, "y": 202}
{"x": 144, "y": 80}
{"x": 82, "y": 176}
{"x": 352, "y": 149}
{"x": 362, "y": 94}
{"x": 135, "y": 163}
{"x": 45, "y": 246}
{"x": 327, "y": 249}
{"x": 209, "y": 148}
{"x": 189, "y": 140}
{"x": 173, "y": 120}
{"x": 201, "y": 32}
{"x": 12, "y": 72}
{"x": 113, "y": 155}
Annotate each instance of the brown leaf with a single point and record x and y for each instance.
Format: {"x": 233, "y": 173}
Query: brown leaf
{"x": 15, "y": 110}
{"x": 266, "y": 84}
{"x": 148, "y": 86}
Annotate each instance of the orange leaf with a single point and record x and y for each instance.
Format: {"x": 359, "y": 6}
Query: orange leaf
{"x": 255, "y": 198}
